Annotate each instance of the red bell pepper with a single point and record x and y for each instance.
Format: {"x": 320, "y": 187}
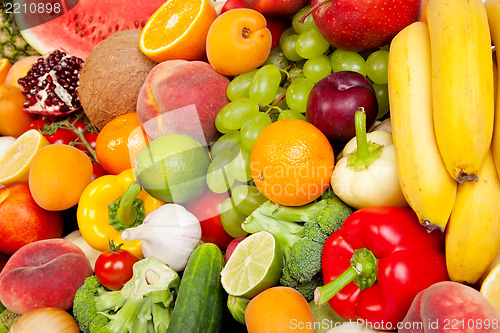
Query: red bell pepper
{"x": 375, "y": 265}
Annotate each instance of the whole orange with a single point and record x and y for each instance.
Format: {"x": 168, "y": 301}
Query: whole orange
{"x": 58, "y": 175}
{"x": 119, "y": 141}
{"x": 279, "y": 310}
{"x": 13, "y": 119}
{"x": 291, "y": 162}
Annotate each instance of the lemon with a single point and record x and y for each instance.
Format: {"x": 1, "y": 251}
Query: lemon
{"x": 254, "y": 266}
{"x": 15, "y": 163}
{"x": 490, "y": 288}
{"x": 172, "y": 168}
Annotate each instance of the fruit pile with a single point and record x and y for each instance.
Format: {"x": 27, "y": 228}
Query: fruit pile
{"x": 249, "y": 166}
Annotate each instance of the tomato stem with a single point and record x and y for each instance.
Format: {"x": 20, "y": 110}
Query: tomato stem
{"x": 51, "y": 127}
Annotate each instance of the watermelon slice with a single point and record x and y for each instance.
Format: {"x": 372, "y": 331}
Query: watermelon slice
{"x": 85, "y": 24}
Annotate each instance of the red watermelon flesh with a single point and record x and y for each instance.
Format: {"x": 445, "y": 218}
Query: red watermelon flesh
{"x": 79, "y": 30}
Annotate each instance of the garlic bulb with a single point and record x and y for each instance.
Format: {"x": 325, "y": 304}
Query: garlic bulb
{"x": 169, "y": 233}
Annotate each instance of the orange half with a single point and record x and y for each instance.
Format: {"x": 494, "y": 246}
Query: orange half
{"x": 178, "y": 30}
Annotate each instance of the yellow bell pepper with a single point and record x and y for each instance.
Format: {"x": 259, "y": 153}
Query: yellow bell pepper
{"x": 114, "y": 195}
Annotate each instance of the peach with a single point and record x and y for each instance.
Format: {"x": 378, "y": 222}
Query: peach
{"x": 44, "y": 273}
{"x": 182, "y": 97}
{"x": 23, "y": 221}
{"x": 450, "y": 307}
{"x": 19, "y": 69}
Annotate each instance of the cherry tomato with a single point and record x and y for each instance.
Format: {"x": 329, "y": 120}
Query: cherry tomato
{"x": 80, "y": 125}
{"x": 207, "y": 210}
{"x": 90, "y": 138}
{"x": 36, "y": 124}
{"x": 232, "y": 246}
{"x": 114, "y": 267}
{"x": 61, "y": 135}
{"x": 98, "y": 171}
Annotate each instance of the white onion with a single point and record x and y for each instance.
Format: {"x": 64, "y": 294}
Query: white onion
{"x": 45, "y": 320}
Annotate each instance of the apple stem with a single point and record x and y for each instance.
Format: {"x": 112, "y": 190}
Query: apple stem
{"x": 367, "y": 151}
{"x": 316, "y": 6}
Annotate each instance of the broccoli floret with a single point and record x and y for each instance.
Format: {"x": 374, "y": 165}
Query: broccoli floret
{"x": 305, "y": 259}
{"x": 144, "y": 304}
{"x": 307, "y": 288}
{"x": 301, "y": 233}
{"x": 84, "y": 310}
{"x": 314, "y": 232}
{"x": 286, "y": 278}
{"x": 331, "y": 218}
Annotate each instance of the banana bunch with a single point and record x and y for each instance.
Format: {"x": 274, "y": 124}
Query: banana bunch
{"x": 442, "y": 102}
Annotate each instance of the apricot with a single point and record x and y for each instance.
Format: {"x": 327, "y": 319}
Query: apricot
{"x": 58, "y": 175}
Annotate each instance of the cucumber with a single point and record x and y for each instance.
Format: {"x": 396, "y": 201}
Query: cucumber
{"x": 200, "y": 301}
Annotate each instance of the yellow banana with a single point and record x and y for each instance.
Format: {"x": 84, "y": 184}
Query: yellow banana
{"x": 493, "y": 11}
{"x": 473, "y": 231}
{"x": 462, "y": 84}
{"x": 426, "y": 184}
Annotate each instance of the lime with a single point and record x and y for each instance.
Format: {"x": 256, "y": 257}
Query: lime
{"x": 16, "y": 161}
{"x": 254, "y": 266}
{"x": 172, "y": 168}
{"x": 237, "y": 307}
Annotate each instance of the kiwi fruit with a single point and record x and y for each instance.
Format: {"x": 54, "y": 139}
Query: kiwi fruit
{"x": 112, "y": 76}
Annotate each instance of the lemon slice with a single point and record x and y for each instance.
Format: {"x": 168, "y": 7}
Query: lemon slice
{"x": 15, "y": 163}
{"x": 490, "y": 288}
{"x": 254, "y": 266}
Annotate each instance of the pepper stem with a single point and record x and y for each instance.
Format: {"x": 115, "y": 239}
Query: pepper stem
{"x": 127, "y": 213}
{"x": 363, "y": 271}
{"x": 367, "y": 151}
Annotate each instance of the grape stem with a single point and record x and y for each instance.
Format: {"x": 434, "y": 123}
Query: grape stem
{"x": 273, "y": 104}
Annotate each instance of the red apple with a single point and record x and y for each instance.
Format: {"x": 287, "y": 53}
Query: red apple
{"x": 333, "y": 101}
{"x": 276, "y": 24}
{"x": 363, "y": 25}
{"x": 232, "y": 4}
{"x": 23, "y": 221}
{"x": 276, "y": 7}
